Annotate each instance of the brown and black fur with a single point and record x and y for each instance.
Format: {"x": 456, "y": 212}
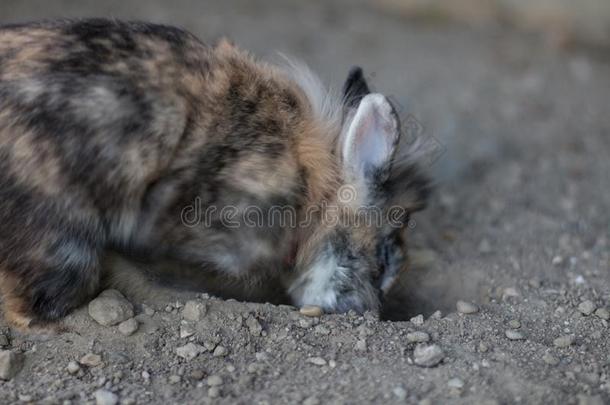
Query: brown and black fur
{"x": 109, "y": 129}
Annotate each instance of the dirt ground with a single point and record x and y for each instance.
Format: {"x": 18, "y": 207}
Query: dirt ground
{"x": 520, "y": 226}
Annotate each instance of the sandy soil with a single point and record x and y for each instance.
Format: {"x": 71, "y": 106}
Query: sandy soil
{"x": 519, "y": 226}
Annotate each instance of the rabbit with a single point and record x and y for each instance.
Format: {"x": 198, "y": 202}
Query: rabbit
{"x": 136, "y": 138}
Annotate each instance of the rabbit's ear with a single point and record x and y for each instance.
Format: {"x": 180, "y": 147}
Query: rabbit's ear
{"x": 354, "y": 88}
{"x": 370, "y": 137}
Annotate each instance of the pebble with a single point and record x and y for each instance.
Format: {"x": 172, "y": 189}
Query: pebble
{"x": 514, "y": 324}
{"x": 417, "y": 320}
{"x": 361, "y": 345}
{"x": 128, "y": 327}
{"x": 586, "y": 307}
{"x": 428, "y": 356}
{"x": 418, "y": 337}
{"x": 311, "y": 401}
{"x": 311, "y": 310}
{"x": 91, "y": 360}
{"x": 110, "y": 308}
{"x": 214, "y": 380}
{"x": 602, "y": 313}
{"x": 483, "y": 348}
{"x": 564, "y": 341}
{"x": 514, "y": 334}
{"x": 194, "y": 311}
{"x": 197, "y": 374}
{"x": 220, "y": 351}
{"x": 186, "y": 331}
{"x": 455, "y": 383}
{"x": 318, "y": 361}
{"x": 174, "y": 379}
{"x": 254, "y": 326}
{"x": 189, "y": 351}
{"x": 549, "y": 359}
{"x": 105, "y": 397}
{"x": 464, "y": 307}
{"x": 73, "y": 367}
{"x": 590, "y": 400}
{"x": 213, "y": 392}
{"x": 148, "y": 310}
{"x": 400, "y": 393}
{"x": 10, "y": 364}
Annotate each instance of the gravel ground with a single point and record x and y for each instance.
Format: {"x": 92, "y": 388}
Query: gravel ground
{"x": 518, "y": 232}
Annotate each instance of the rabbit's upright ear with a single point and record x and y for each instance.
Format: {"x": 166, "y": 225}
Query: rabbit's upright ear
{"x": 369, "y": 139}
{"x": 354, "y": 88}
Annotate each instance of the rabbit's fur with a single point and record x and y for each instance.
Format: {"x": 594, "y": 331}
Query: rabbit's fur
{"x": 134, "y": 137}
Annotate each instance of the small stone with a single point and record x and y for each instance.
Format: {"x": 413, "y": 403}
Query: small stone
{"x": 220, "y": 351}
{"x": 557, "y": 260}
{"x": 590, "y": 400}
{"x": 418, "y": 337}
{"x": 91, "y": 360}
{"x": 105, "y": 397}
{"x": 361, "y": 345}
{"x": 10, "y": 364}
{"x": 400, "y": 393}
{"x": 417, "y": 320}
{"x": 514, "y": 324}
{"x": 213, "y": 392}
{"x": 110, "y": 308}
{"x": 483, "y": 348}
{"x": 510, "y": 292}
{"x": 197, "y": 374}
{"x": 484, "y": 246}
{"x": 318, "y": 361}
{"x": 73, "y": 367}
{"x": 174, "y": 379}
{"x": 436, "y": 315}
{"x": 586, "y": 307}
{"x": 602, "y": 313}
{"x": 189, "y": 351}
{"x": 455, "y": 383}
{"x": 514, "y": 334}
{"x": 549, "y": 359}
{"x": 128, "y": 327}
{"x": 186, "y": 331}
{"x": 254, "y": 326}
{"x": 194, "y": 311}
{"x": 145, "y": 375}
{"x": 214, "y": 380}
{"x": 564, "y": 341}
{"x": 311, "y": 310}
{"x": 464, "y": 307}
{"x": 428, "y": 356}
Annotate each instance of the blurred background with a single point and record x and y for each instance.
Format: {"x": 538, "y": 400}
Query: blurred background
{"x": 514, "y": 93}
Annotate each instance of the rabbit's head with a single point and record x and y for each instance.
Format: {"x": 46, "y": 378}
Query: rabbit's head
{"x": 360, "y": 245}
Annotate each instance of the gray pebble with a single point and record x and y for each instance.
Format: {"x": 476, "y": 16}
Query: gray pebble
{"x": 464, "y": 307}
{"x": 128, "y": 327}
{"x": 428, "y": 356}
{"x": 514, "y": 324}
{"x": 254, "y": 326}
{"x": 418, "y": 337}
{"x": 318, "y": 361}
{"x": 361, "y": 345}
{"x": 91, "y": 360}
{"x": 417, "y": 320}
{"x": 602, "y": 313}
{"x": 564, "y": 341}
{"x": 455, "y": 383}
{"x": 549, "y": 359}
{"x": 73, "y": 367}
{"x": 110, "y": 308}
{"x": 105, "y": 397}
{"x": 586, "y": 307}
{"x": 514, "y": 334}
{"x": 10, "y": 364}
{"x": 400, "y": 393}
{"x": 214, "y": 380}
{"x": 213, "y": 392}
{"x": 194, "y": 311}
{"x": 220, "y": 351}
{"x": 189, "y": 351}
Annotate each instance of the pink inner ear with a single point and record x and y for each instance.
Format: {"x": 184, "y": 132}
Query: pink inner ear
{"x": 371, "y": 135}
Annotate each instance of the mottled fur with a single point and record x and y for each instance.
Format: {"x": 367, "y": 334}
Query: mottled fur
{"x": 109, "y": 129}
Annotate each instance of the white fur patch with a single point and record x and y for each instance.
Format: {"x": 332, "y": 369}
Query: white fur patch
{"x": 315, "y": 287}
